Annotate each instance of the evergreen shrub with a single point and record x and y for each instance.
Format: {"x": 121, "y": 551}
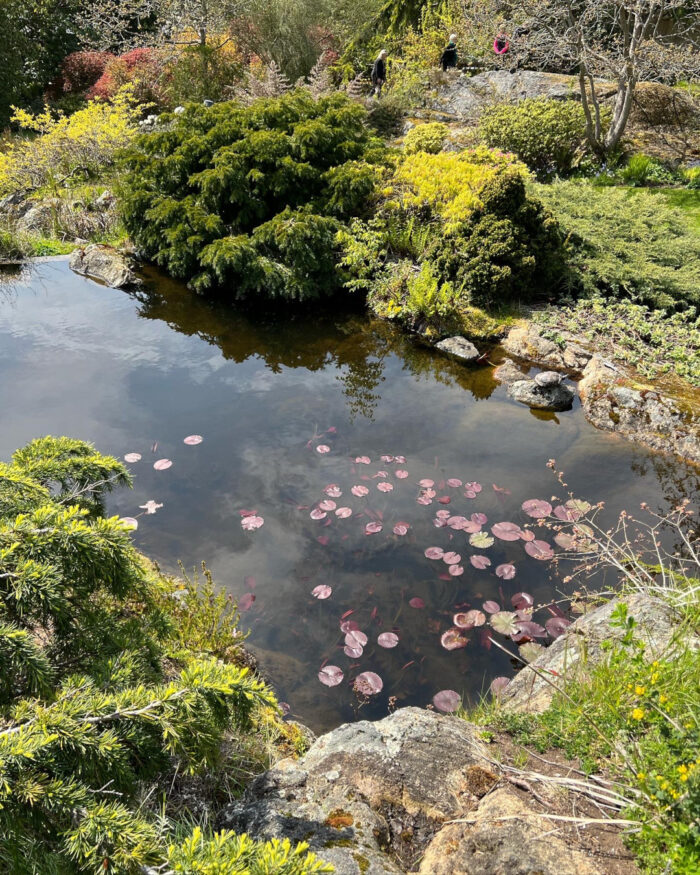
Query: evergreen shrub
{"x": 247, "y": 200}
{"x": 425, "y": 138}
{"x": 546, "y": 134}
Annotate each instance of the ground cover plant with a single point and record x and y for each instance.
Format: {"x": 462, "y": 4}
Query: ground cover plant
{"x": 635, "y": 716}
{"x": 247, "y": 201}
{"x": 104, "y": 691}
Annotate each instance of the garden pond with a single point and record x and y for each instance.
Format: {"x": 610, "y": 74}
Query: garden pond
{"x": 312, "y": 462}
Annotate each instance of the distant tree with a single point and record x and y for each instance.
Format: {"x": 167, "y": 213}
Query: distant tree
{"x": 620, "y": 40}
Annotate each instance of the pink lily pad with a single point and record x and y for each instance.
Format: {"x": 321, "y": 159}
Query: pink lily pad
{"x": 491, "y": 607}
{"x": 373, "y": 528}
{"x": 353, "y": 652}
{"x": 318, "y": 514}
{"x": 568, "y": 514}
{"x": 447, "y": 701}
{"x": 323, "y": 449}
{"x": 444, "y": 499}
{"x": 245, "y": 602}
{"x": 349, "y": 626}
{"x": 422, "y": 499}
{"x": 333, "y": 490}
{"x": 401, "y": 474}
{"x": 362, "y": 460}
{"x": 383, "y": 474}
{"x": 457, "y": 522}
{"x": 480, "y": 562}
{"x": 162, "y": 464}
{"x": 132, "y": 457}
{"x": 322, "y": 591}
{"x": 502, "y": 489}
{"x": 451, "y": 558}
{"x": 327, "y": 504}
{"x": 556, "y": 626}
{"x": 532, "y": 630}
{"x": 331, "y": 675}
{"x": 539, "y": 550}
{"x": 368, "y": 683}
{"x": 479, "y": 518}
{"x": 527, "y": 535}
{"x": 505, "y": 571}
{"x": 416, "y": 602}
{"x": 506, "y": 531}
{"x": 343, "y": 512}
{"x": 250, "y": 523}
{"x": 130, "y": 522}
{"x": 193, "y": 439}
{"x": 355, "y": 639}
{"x": 387, "y": 459}
{"x": 426, "y": 483}
{"x": 473, "y": 486}
{"x": 522, "y": 600}
{"x": 434, "y": 553}
{"x": 401, "y": 529}
{"x": 359, "y": 491}
{"x": 453, "y": 639}
{"x": 498, "y": 685}
{"x": 469, "y": 619}
{"x": 385, "y": 487}
{"x": 453, "y": 482}
{"x": 456, "y": 570}
{"x": 388, "y": 640}
{"x": 537, "y": 508}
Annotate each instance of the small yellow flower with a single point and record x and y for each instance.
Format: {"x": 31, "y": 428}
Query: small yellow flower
{"x": 684, "y": 778}
{"x": 654, "y": 677}
{"x": 639, "y": 691}
{"x": 683, "y": 769}
{"x": 629, "y": 686}
{"x": 688, "y": 725}
{"x": 655, "y": 663}
{"x": 662, "y": 699}
{"x": 641, "y": 776}
{"x": 638, "y": 714}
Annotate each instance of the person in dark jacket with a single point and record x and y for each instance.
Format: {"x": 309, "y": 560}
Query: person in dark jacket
{"x": 378, "y": 74}
{"x": 448, "y": 58}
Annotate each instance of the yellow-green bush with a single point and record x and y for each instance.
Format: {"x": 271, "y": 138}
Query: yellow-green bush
{"x": 84, "y": 142}
{"x": 425, "y": 138}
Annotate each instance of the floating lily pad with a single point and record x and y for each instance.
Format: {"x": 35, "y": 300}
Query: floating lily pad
{"x": 130, "y": 522}
{"x": 343, "y": 512}
{"x": 401, "y": 474}
{"x": 323, "y": 449}
{"x": 506, "y": 571}
{"x": 331, "y": 675}
{"x": 250, "y": 523}
{"x": 491, "y": 607}
{"x": 162, "y": 464}
{"x": 539, "y": 550}
{"x": 530, "y": 651}
{"x": 537, "y": 508}
{"x": 333, "y": 490}
{"x": 456, "y": 570}
{"x": 556, "y": 626}
{"x": 451, "y": 558}
{"x": 322, "y": 591}
{"x": 522, "y": 600}
{"x": 469, "y": 619}
{"x": 434, "y": 553}
{"x": 388, "y": 639}
{"x": 385, "y": 487}
{"x": 498, "y": 685}
{"x": 362, "y": 460}
{"x": 327, "y": 504}
{"x": 355, "y": 638}
{"x": 504, "y": 622}
{"x": 480, "y": 562}
{"x": 368, "y": 683}
{"x": 373, "y": 528}
{"x": 506, "y": 531}
{"x": 132, "y": 457}
{"x": 318, "y": 514}
{"x": 401, "y": 528}
{"x": 453, "y": 482}
{"x": 447, "y": 701}
{"x": 193, "y": 439}
{"x": 481, "y": 540}
{"x": 453, "y": 639}
{"x": 359, "y": 491}
{"x": 416, "y": 602}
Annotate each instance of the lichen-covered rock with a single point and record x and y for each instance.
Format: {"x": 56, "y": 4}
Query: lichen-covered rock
{"x": 538, "y": 397}
{"x": 459, "y": 347}
{"x": 506, "y": 837}
{"x": 39, "y": 219}
{"x": 642, "y": 415}
{"x": 368, "y": 797}
{"x": 527, "y": 342}
{"x": 580, "y": 649}
{"x": 508, "y": 372}
{"x": 103, "y": 263}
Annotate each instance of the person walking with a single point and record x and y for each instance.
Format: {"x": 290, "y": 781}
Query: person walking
{"x": 378, "y": 74}
{"x": 448, "y": 59}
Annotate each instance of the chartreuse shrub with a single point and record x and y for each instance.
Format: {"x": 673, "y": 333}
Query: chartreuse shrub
{"x": 247, "y": 201}
{"x": 546, "y": 134}
{"x": 103, "y": 693}
{"x": 429, "y": 137}
{"x": 626, "y": 244}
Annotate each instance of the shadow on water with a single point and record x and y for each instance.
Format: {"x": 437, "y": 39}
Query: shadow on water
{"x": 131, "y": 372}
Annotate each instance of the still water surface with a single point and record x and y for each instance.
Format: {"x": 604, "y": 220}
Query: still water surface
{"x": 126, "y": 371}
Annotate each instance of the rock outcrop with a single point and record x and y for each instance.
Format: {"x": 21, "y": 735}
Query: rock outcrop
{"x": 103, "y": 263}
{"x": 580, "y": 649}
{"x": 612, "y": 402}
{"x": 369, "y": 797}
{"x": 528, "y": 343}
{"x": 459, "y": 348}
{"x": 529, "y": 392}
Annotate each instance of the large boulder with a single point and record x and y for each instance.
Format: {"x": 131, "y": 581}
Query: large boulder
{"x": 504, "y": 836}
{"x": 529, "y": 392}
{"x": 459, "y": 348}
{"x": 105, "y": 264}
{"x": 40, "y": 218}
{"x": 612, "y": 402}
{"x": 529, "y": 343}
{"x": 583, "y": 646}
{"x": 368, "y": 797}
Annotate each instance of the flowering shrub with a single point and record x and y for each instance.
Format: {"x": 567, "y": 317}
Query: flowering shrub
{"x": 141, "y": 68}
{"x": 80, "y": 70}
{"x": 85, "y": 142}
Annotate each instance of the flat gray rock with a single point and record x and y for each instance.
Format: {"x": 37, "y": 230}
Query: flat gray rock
{"x": 538, "y": 397}
{"x": 460, "y": 348}
{"x": 103, "y": 263}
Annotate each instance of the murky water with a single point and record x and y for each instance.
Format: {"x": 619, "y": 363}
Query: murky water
{"x": 126, "y": 371}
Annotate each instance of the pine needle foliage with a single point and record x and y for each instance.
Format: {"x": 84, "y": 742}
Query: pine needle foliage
{"x": 247, "y": 200}
{"x": 101, "y": 694}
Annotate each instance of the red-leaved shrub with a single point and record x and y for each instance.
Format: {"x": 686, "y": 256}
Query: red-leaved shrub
{"x": 81, "y": 70}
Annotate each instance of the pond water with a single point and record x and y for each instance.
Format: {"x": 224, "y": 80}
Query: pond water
{"x": 132, "y": 371}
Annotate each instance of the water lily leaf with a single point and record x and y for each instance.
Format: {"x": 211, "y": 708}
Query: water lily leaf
{"x": 527, "y": 535}
{"x": 451, "y": 558}
{"x": 353, "y": 652}
{"x": 480, "y": 562}
{"x": 453, "y": 482}
{"x": 455, "y": 570}
{"x": 132, "y": 457}
{"x": 323, "y": 449}
{"x": 401, "y": 528}
{"x": 245, "y": 602}
{"x": 385, "y": 487}
{"x": 522, "y": 600}
{"x": 355, "y": 639}
{"x": 473, "y": 486}
{"x": 362, "y": 460}
{"x": 416, "y": 602}
{"x": 343, "y": 512}
{"x": 567, "y": 514}
{"x": 130, "y": 522}
{"x": 400, "y": 460}
{"x": 349, "y": 626}
{"x": 387, "y": 459}
{"x": 150, "y": 506}
{"x": 373, "y": 528}
{"x": 322, "y": 591}
{"x": 388, "y": 639}
{"x": 368, "y": 683}
{"x": 530, "y": 651}
{"x": 434, "y": 553}
{"x": 426, "y": 483}
{"x": 383, "y": 474}
{"x": 504, "y": 622}
{"x": 501, "y": 489}
{"x": 532, "y": 630}
{"x": 539, "y": 550}
{"x": 537, "y": 508}
{"x": 456, "y": 522}
{"x": 453, "y": 639}
{"x": 331, "y": 675}
{"x": 359, "y": 491}
{"x": 505, "y": 571}
{"x": 498, "y": 685}
{"x": 327, "y": 504}
{"x": 333, "y": 490}
{"x": 481, "y": 540}
{"x": 506, "y": 531}
{"x": 479, "y": 519}
{"x": 422, "y": 499}
{"x": 318, "y": 514}
{"x": 401, "y": 474}
{"x": 469, "y": 620}
{"x": 250, "y": 523}
{"x": 193, "y": 439}
{"x": 556, "y": 626}
{"x": 578, "y": 504}
{"x": 162, "y": 464}
{"x": 447, "y": 701}
{"x": 491, "y": 607}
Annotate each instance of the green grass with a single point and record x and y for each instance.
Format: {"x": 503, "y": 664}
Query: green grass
{"x": 684, "y": 199}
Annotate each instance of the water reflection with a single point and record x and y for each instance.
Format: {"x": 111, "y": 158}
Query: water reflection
{"x": 129, "y": 371}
